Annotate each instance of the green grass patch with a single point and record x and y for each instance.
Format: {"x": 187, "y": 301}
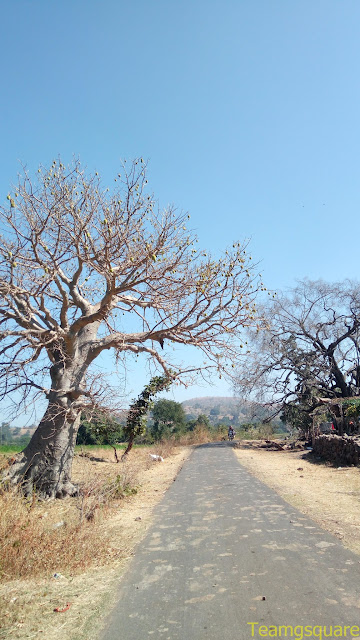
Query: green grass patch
{"x": 16, "y": 448}
{"x": 94, "y": 447}
{"x": 11, "y": 448}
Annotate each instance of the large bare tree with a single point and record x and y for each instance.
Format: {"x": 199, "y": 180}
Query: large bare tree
{"x": 307, "y": 347}
{"x": 86, "y": 269}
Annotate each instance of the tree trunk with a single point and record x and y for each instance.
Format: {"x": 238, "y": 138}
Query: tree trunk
{"x": 45, "y": 464}
{"x": 129, "y": 446}
{"x": 115, "y": 453}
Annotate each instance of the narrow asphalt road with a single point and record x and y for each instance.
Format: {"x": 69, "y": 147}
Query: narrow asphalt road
{"x": 226, "y": 551}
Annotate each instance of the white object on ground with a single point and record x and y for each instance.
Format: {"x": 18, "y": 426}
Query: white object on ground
{"x": 155, "y": 457}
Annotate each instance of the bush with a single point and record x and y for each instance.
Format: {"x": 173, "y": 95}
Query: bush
{"x": 41, "y": 538}
{"x": 258, "y": 431}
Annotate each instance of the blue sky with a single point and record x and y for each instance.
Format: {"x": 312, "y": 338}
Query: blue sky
{"x": 247, "y": 110}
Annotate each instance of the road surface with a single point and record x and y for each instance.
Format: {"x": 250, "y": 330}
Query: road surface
{"x": 226, "y": 551}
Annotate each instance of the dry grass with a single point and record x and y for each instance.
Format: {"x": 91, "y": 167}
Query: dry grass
{"x": 328, "y": 495}
{"x": 200, "y": 435}
{"x": 164, "y": 448}
{"x": 84, "y": 542}
{"x": 33, "y": 533}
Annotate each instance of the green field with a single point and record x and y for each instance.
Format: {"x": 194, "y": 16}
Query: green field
{"x": 93, "y": 447}
{"x": 11, "y": 448}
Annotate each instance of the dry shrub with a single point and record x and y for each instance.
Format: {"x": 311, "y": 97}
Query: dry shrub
{"x": 200, "y": 435}
{"x": 100, "y": 493}
{"x": 31, "y": 546}
{"x": 164, "y": 448}
{"x": 61, "y": 536}
{"x": 4, "y": 462}
{"x": 97, "y": 454}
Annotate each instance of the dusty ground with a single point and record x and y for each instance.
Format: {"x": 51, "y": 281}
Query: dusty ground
{"x": 27, "y": 606}
{"x": 328, "y": 495}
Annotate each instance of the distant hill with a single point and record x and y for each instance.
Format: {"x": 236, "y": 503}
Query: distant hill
{"x": 220, "y": 409}
{"x": 23, "y": 431}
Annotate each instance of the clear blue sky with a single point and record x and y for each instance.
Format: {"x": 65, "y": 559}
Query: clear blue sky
{"x": 247, "y": 110}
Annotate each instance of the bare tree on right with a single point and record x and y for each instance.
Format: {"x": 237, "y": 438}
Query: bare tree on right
{"x": 305, "y": 350}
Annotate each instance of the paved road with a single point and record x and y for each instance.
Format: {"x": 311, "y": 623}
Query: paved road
{"x": 226, "y": 550}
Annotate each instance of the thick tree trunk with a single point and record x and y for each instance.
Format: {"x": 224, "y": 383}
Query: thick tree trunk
{"x": 45, "y": 465}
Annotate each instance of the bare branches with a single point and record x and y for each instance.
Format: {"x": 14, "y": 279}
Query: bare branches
{"x": 308, "y": 348}
{"x": 83, "y": 270}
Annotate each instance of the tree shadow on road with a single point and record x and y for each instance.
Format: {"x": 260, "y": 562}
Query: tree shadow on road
{"x": 218, "y": 445}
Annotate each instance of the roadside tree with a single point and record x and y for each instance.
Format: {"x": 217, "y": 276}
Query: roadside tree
{"x": 201, "y": 420}
{"x": 168, "y": 418}
{"x": 100, "y": 429}
{"x": 137, "y": 416}
{"x": 306, "y": 349}
{"x": 85, "y": 270}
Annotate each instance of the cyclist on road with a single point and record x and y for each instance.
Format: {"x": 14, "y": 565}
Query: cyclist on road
{"x": 231, "y": 433}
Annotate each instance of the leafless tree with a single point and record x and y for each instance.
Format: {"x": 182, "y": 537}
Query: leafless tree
{"x": 306, "y": 347}
{"x": 84, "y": 270}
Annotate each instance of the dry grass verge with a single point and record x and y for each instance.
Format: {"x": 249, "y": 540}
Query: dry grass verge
{"x": 328, "y": 495}
{"x": 33, "y": 534}
{"x": 73, "y": 551}
{"x": 200, "y": 435}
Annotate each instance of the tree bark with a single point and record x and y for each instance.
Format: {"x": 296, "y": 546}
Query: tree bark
{"x": 45, "y": 465}
{"x": 115, "y": 453}
{"x": 129, "y": 446}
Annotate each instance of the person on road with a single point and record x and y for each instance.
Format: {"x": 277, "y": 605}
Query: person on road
{"x": 231, "y": 433}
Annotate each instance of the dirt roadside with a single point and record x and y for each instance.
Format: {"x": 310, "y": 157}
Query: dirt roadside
{"x": 328, "y": 495}
{"x": 28, "y": 605}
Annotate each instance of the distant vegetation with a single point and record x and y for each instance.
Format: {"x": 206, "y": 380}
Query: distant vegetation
{"x": 229, "y": 410}
{"x": 168, "y": 419}
{"x": 174, "y": 420}
{"x": 14, "y": 438}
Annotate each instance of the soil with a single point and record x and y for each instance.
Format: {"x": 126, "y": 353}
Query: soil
{"x": 327, "y": 494}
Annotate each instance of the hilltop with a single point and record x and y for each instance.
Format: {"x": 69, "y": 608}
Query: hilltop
{"x": 224, "y": 409}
